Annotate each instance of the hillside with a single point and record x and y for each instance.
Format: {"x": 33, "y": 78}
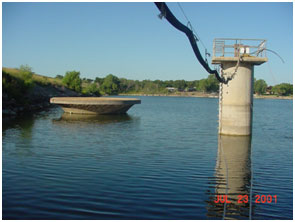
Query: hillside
{"x": 20, "y": 96}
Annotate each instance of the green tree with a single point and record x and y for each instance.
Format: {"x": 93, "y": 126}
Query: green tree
{"x": 59, "y": 77}
{"x": 210, "y": 84}
{"x": 27, "y": 74}
{"x": 92, "y": 89}
{"x": 202, "y": 85}
{"x": 99, "y": 80}
{"x": 110, "y": 85}
{"x": 180, "y": 84}
{"x": 283, "y": 89}
{"x": 72, "y": 80}
{"x": 168, "y": 83}
{"x": 126, "y": 85}
{"x": 26, "y": 71}
{"x": 260, "y": 86}
{"x": 191, "y": 84}
{"x": 149, "y": 86}
{"x": 85, "y": 80}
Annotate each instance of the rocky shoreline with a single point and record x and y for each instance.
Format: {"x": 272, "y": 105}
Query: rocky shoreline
{"x": 37, "y": 99}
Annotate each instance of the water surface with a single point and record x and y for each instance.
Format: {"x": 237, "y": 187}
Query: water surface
{"x": 163, "y": 160}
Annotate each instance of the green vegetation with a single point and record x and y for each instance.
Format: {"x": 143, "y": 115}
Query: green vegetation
{"x": 179, "y": 84}
{"x": 59, "y": 77}
{"x": 110, "y": 85}
{"x": 72, "y": 81}
{"x": 283, "y": 89}
{"x": 91, "y": 89}
{"x": 210, "y": 84}
{"x": 16, "y": 81}
{"x": 169, "y": 86}
{"x": 85, "y": 80}
{"x": 39, "y": 79}
{"x": 27, "y": 75}
{"x": 260, "y": 87}
{"x": 15, "y": 88}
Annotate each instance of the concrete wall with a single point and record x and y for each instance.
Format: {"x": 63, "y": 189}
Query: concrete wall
{"x": 236, "y": 100}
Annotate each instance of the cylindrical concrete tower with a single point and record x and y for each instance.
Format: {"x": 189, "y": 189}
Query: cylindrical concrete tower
{"x": 236, "y": 96}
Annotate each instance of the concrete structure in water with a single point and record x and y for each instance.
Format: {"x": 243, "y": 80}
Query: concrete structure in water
{"x": 236, "y": 97}
{"x": 95, "y": 105}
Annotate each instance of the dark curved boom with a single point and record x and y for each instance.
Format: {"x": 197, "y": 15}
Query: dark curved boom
{"x": 165, "y": 11}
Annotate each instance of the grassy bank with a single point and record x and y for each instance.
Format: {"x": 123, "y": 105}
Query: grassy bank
{"x": 36, "y": 78}
{"x": 28, "y": 92}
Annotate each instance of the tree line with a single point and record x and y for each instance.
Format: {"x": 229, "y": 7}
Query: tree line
{"x": 112, "y": 85}
{"x": 283, "y": 89}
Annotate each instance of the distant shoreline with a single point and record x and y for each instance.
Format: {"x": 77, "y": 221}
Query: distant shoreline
{"x": 180, "y": 94}
{"x": 202, "y": 95}
{"x": 273, "y": 97}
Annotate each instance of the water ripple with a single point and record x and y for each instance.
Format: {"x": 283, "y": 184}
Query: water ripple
{"x": 162, "y": 161}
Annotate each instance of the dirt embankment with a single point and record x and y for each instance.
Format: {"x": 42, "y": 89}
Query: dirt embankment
{"x": 36, "y": 99}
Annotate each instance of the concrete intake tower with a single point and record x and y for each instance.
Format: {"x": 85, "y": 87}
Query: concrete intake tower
{"x": 237, "y": 58}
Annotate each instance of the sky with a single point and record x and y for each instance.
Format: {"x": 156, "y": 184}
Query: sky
{"x": 130, "y": 41}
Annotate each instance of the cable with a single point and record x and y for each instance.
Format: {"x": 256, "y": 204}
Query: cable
{"x": 165, "y": 12}
{"x": 188, "y": 21}
{"x": 272, "y": 75}
{"x": 235, "y": 71}
{"x": 183, "y": 11}
{"x": 261, "y": 50}
{"x": 275, "y": 54}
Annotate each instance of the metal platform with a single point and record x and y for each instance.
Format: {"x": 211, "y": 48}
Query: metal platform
{"x": 230, "y": 50}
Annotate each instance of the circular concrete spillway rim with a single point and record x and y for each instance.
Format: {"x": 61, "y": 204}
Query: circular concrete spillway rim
{"x": 94, "y": 101}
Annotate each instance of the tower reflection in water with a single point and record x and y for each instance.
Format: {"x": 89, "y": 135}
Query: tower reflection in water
{"x": 232, "y": 179}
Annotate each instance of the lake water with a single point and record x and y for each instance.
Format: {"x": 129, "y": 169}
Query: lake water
{"x": 164, "y": 160}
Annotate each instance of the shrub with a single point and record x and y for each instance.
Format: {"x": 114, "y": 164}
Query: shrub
{"x": 72, "y": 81}
{"x": 59, "y": 77}
{"x": 110, "y": 85}
{"x": 27, "y": 74}
{"x": 15, "y": 88}
{"x": 260, "y": 86}
{"x": 92, "y": 89}
{"x": 283, "y": 89}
